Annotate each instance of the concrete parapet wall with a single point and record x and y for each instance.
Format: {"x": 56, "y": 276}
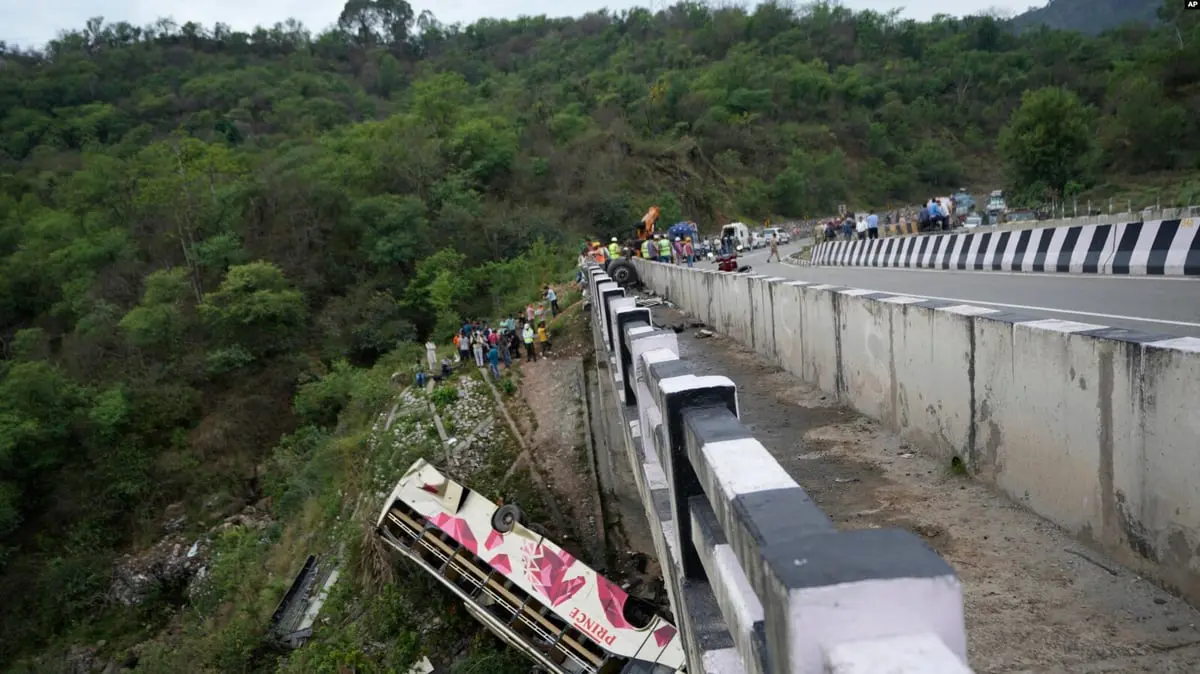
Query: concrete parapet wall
{"x": 760, "y": 581}
{"x": 1155, "y": 248}
{"x": 1094, "y": 428}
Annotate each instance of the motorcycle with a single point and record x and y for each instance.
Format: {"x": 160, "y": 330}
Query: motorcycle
{"x": 728, "y": 262}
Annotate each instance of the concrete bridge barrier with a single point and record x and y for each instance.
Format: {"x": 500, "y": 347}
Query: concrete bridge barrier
{"x": 760, "y": 580}
{"x": 1094, "y": 428}
{"x": 1156, "y": 248}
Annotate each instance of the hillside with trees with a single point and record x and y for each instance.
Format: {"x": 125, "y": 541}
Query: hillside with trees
{"x": 196, "y": 223}
{"x": 1089, "y": 16}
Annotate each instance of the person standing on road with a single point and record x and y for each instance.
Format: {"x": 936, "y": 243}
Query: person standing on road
{"x": 543, "y": 339}
{"x": 774, "y": 249}
{"x": 872, "y": 226}
{"x": 689, "y": 251}
{"x": 527, "y": 336}
{"x": 664, "y": 250}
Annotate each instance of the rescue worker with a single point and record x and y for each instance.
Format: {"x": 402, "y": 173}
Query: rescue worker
{"x": 664, "y": 250}
{"x": 598, "y": 253}
{"x": 527, "y": 337}
{"x": 614, "y": 249}
{"x": 648, "y": 252}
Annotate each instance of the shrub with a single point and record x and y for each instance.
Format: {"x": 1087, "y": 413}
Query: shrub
{"x": 443, "y": 396}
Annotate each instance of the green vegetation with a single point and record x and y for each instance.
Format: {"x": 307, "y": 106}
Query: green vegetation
{"x": 214, "y": 245}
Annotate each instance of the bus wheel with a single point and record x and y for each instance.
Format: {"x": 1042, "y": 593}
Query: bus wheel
{"x": 623, "y": 273}
{"x": 505, "y": 518}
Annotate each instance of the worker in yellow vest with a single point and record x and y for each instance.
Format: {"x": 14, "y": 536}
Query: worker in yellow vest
{"x": 614, "y": 250}
{"x": 664, "y": 249}
{"x": 648, "y": 251}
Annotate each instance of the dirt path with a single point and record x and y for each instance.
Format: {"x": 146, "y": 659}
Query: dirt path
{"x": 1036, "y": 600}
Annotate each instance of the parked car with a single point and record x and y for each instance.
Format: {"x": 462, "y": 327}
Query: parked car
{"x": 973, "y": 220}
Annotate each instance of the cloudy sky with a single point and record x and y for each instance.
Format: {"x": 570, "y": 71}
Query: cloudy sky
{"x": 33, "y": 22}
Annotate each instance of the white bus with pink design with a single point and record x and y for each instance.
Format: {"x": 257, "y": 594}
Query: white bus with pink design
{"x": 530, "y": 592}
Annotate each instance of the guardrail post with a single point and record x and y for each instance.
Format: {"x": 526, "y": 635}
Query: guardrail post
{"x": 675, "y": 389}
{"x": 616, "y": 304}
{"x": 594, "y": 273}
{"x": 625, "y": 319}
{"x": 648, "y": 345}
{"x": 606, "y": 290}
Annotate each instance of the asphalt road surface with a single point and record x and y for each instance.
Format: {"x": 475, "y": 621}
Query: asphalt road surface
{"x": 1155, "y": 305}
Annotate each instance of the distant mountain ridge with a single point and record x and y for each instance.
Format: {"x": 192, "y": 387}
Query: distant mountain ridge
{"x": 1088, "y": 16}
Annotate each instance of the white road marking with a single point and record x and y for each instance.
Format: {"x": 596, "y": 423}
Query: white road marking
{"x": 1026, "y": 274}
{"x": 1052, "y": 310}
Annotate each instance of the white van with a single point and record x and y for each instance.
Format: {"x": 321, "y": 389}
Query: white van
{"x": 739, "y": 232}
{"x": 777, "y": 233}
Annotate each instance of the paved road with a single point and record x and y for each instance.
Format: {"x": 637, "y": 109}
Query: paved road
{"x": 1160, "y": 306}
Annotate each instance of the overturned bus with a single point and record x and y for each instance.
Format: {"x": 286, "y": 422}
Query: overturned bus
{"x": 526, "y": 589}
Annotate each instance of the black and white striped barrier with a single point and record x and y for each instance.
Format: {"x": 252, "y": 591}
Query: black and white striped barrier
{"x": 1155, "y": 248}
{"x": 760, "y": 580}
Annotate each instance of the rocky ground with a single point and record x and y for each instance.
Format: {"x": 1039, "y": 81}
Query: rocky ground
{"x": 1036, "y": 600}
{"x": 552, "y": 407}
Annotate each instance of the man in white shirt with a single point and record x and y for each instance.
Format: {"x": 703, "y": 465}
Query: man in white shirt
{"x": 431, "y": 355}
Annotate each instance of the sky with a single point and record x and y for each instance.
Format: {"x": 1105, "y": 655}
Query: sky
{"x": 29, "y": 23}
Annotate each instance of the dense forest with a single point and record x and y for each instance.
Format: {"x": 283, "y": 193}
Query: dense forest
{"x": 196, "y": 221}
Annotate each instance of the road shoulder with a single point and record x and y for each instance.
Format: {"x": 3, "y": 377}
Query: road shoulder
{"x": 1036, "y": 600}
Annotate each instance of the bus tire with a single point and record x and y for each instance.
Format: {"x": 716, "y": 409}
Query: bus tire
{"x": 623, "y": 273}
{"x": 505, "y": 518}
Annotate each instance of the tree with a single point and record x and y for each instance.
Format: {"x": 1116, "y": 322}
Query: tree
{"x": 255, "y": 309}
{"x": 159, "y": 321}
{"x": 394, "y": 228}
{"x": 375, "y": 22}
{"x": 1047, "y": 142}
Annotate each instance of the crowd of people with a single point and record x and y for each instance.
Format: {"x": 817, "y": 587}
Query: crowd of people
{"x": 658, "y": 248}
{"x": 934, "y": 214}
{"x": 487, "y": 345}
{"x": 661, "y": 249}
{"x": 851, "y": 227}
